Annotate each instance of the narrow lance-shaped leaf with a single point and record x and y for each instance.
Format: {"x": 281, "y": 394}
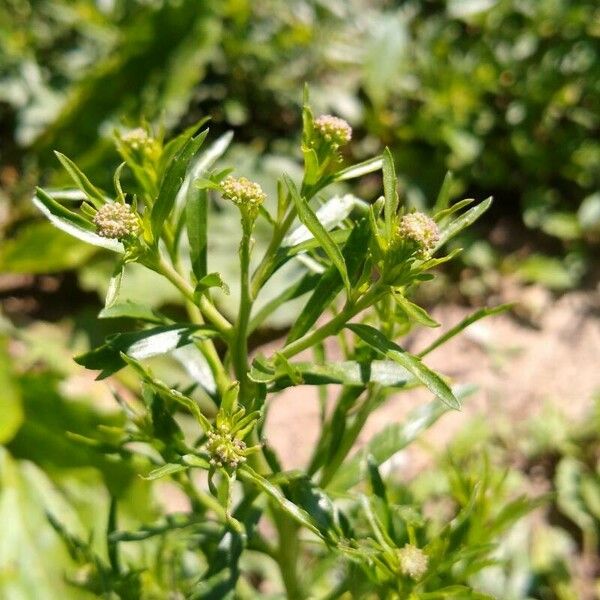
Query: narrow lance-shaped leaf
{"x": 414, "y": 311}
{"x": 81, "y": 181}
{"x": 349, "y": 373}
{"x": 476, "y": 316}
{"x": 140, "y": 345}
{"x": 330, "y": 284}
{"x": 196, "y": 220}
{"x": 363, "y": 168}
{"x": 308, "y": 217}
{"x": 443, "y": 199}
{"x": 164, "y": 390}
{"x": 413, "y": 364}
{"x": 392, "y": 440}
{"x": 390, "y": 192}
{"x": 456, "y": 226}
{"x": 172, "y": 182}
{"x": 276, "y": 495}
{"x": 72, "y": 223}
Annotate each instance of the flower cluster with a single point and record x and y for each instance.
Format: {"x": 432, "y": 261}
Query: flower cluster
{"x": 421, "y": 230}
{"x": 246, "y": 194}
{"x": 224, "y": 449}
{"x": 334, "y": 131}
{"x": 138, "y": 140}
{"x": 413, "y": 561}
{"x": 116, "y": 220}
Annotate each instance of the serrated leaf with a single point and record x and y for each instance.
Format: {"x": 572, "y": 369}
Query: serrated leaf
{"x": 72, "y": 223}
{"x": 376, "y": 340}
{"x": 308, "y": 217}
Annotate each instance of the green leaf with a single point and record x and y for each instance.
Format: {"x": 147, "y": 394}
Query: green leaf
{"x": 413, "y": 364}
{"x": 350, "y": 373}
{"x": 168, "y": 469}
{"x": 209, "y": 281}
{"x": 390, "y": 192}
{"x": 297, "y": 289}
{"x": 164, "y": 390}
{"x": 95, "y": 196}
{"x": 72, "y": 223}
{"x": 360, "y": 169}
{"x": 139, "y": 345}
{"x": 390, "y": 441}
{"x": 172, "y": 182}
{"x": 131, "y": 310}
{"x": 476, "y": 316}
{"x": 330, "y": 284}
{"x": 299, "y": 515}
{"x": 308, "y": 217}
{"x": 413, "y": 311}
{"x": 196, "y": 214}
{"x": 11, "y": 409}
{"x": 456, "y": 226}
{"x": 330, "y": 215}
{"x": 443, "y": 199}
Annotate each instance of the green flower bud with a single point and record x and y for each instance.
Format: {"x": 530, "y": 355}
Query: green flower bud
{"x": 421, "y": 230}
{"x": 225, "y": 450}
{"x": 116, "y": 220}
{"x": 335, "y": 131}
{"x": 413, "y": 561}
{"x": 246, "y": 194}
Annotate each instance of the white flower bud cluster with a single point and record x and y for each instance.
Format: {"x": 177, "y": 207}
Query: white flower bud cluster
{"x": 335, "y": 131}
{"x": 138, "y": 139}
{"x": 246, "y": 194}
{"x": 116, "y": 220}
{"x": 420, "y": 229}
{"x": 413, "y": 561}
{"x": 225, "y": 450}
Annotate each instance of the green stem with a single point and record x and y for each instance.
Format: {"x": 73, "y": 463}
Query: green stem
{"x": 333, "y": 326}
{"x": 287, "y": 555}
{"x": 208, "y": 309}
{"x": 196, "y": 315}
{"x": 239, "y": 346}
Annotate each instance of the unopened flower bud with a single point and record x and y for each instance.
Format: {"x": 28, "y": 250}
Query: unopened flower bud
{"x": 246, "y": 194}
{"x": 413, "y": 561}
{"x": 421, "y": 230}
{"x": 333, "y": 130}
{"x": 140, "y": 141}
{"x": 224, "y": 449}
{"x": 116, "y": 220}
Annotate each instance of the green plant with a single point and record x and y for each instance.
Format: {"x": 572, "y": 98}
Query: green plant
{"x": 332, "y": 528}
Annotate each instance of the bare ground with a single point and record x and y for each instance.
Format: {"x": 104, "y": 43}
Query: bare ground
{"x": 520, "y": 364}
